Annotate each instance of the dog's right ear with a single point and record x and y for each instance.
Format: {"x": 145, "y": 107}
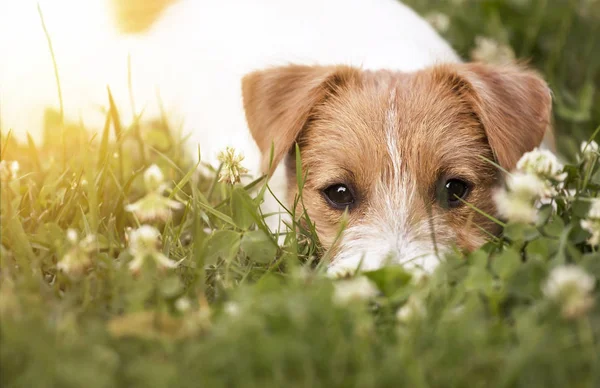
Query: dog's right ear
{"x": 278, "y": 103}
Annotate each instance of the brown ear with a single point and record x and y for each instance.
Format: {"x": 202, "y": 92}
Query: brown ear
{"x": 514, "y": 106}
{"x": 278, "y": 103}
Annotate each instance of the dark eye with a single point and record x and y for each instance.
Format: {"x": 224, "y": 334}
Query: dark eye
{"x": 339, "y": 196}
{"x": 455, "y": 190}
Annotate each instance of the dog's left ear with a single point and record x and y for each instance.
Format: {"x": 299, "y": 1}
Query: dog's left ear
{"x": 278, "y": 103}
{"x": 514, "y": 105}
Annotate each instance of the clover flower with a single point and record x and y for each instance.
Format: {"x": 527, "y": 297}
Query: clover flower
{"x": 77, "y": 258}
{"x": 183, "y": 304}
{"x": 592, "y": 223}
{"x": 518, "y": 201}
{"x": 153, "y": 206}
{"x": 589, "y": 152}
{"x": 490, "y": 51}
{"x": 143, "y": 245}
{"x": 9, "y": 170}
{"x": 412, "y": 310}
{"x": 570, "y": 286}
{"x": 232, "y": 309}
{"x": 354, "y": 290}
{"x": 154, "y": 178}
{"x": 542, "y": 163}
{"x": 589, "y": 149}
{"x": 232, "y": 169}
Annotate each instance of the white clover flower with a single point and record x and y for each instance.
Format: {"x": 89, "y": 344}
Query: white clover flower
{"x": 413, "y": 309}
{"x": 354, "y": 290}
{"x": 542, "y": 163}
{"x": 589, "y": 150}
{"x": 9, "y": 170}
{"x": 490, "y": 51}
{"x": 528, "y": 187}
{"x": 14, "y": 168}
{"x": 77, "y": 259}
{"x": 183, "y": 304}
{"x": 518, "y": 201}
{"x": 153, "y": 207}
{"x": 515, "y": 209}
{"x": 594, "y": 211}
{"x": 592, "y": 223}
{"x": 74, "y": 262}
{"x": 523, "y": 192}
{"x": 593, "y": 227}
{"x": 153, "y": 178}
{"x": 232, "y": 309}
{"x": 232, "y": 168}
{"x": 72, "y": 236}
{"x": 143, "y": 245}
{"x": 439, "y": 21}
{"x": 570, "y": 286}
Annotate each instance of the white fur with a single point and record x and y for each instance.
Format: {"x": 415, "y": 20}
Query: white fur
{"x": 195, "y": 56}
{"x": 391, "y": 133}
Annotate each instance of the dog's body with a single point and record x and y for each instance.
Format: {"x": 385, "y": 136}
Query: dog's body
{"x": 197, "y": 53}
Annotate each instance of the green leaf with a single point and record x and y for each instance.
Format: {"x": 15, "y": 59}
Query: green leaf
{"x": 506, "y": 263}
{"x": 171, "y": 286}
{"x": 555, "y": 227}
{"x": 223, "y": 244}
{"x": 478, "y": 258}
{"x": 591, "y": 262}
{"x": 520, "y": 232}
{"x": 479, "y": 279}
{"x": 580, "y": 208}
{"x": 389, "y": 279}
{"x": 578, "y": 234}
{"x": 544, "y": 214}
{"x": 242, "y": 207}
{"x": 258, "y": 246}
{"x": 541, "y": 249}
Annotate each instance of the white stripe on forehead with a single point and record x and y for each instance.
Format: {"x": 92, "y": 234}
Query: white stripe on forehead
{"x": 391, "y": 134}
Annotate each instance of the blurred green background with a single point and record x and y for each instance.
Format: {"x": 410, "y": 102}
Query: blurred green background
{"x": 560, "y": 38}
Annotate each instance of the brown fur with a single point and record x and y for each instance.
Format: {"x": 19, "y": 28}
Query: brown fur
{"x": 446, "y": 118}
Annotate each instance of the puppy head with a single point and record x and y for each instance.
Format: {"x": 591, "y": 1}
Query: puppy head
{"x": 403, "y": 152}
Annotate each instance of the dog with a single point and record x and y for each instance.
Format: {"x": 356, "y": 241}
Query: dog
{"x": 394, "y": 130}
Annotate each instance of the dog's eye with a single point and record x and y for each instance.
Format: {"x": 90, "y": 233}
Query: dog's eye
{"x": 339, "y": 196}
{"x": 455, "y": 190}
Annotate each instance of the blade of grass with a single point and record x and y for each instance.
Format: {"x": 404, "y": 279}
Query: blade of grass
{"x": 6, "y": 142}
{"x": 116, "y": 120}
{"x": 58, "y": 87}
{"x": 489, "y": 217}
{"x": 33, "y": 153}
{"x": 103, "y": 152}
{"x": 137, "y": 128}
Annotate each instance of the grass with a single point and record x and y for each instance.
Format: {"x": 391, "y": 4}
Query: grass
{"x": 238, "y": 310}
